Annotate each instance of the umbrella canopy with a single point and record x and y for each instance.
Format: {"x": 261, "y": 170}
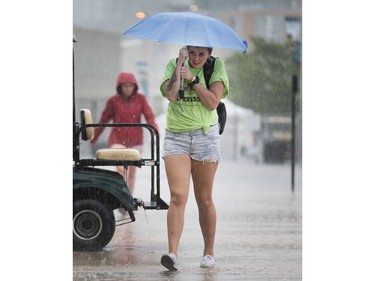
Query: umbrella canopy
{"x": 187, "y": 28}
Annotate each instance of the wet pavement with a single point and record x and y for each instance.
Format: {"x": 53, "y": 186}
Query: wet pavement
{"x": 258, "y": 237}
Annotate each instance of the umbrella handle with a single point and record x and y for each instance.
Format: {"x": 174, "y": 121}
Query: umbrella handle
{"x": 181, "y": 90}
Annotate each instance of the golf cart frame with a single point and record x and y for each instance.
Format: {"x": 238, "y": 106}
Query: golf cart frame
{"x": 98, "y": 191}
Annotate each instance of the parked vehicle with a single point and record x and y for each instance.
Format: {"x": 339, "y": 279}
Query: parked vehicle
{"x": 275, "y": 139}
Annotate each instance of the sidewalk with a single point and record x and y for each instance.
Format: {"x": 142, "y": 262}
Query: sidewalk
{"x": 259, "y": 232}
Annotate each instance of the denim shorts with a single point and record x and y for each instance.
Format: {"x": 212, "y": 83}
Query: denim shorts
{"x": 194, "y": 143}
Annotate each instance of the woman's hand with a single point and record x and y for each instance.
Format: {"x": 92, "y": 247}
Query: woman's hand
{"x": 184, "y": 71}
{"x": 183, "y": 54}
{"x": 186, "y": 74}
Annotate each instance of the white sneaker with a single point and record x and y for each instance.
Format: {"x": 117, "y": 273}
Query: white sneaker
{"x": 208, "y": 262}
{"x": 169, "y": 261}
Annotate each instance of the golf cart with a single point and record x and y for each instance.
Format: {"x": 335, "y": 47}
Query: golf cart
{"x": 98, "y": 191}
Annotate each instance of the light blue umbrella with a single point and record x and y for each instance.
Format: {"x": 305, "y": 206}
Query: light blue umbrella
{"x": 187, "y": 28}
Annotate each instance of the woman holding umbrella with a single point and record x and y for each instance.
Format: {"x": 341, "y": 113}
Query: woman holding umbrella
{"x": 191, "y": 144}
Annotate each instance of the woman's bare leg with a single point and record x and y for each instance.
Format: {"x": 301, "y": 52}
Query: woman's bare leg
{"x": 178, "y": 169}
{"x": 131, "y": 175}
{"x": 203, "y": 174}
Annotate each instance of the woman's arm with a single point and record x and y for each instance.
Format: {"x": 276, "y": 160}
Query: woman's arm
{"x": 107, "y": 115}
{"x": 211, "y": 97}
{"x": 172, "y": 85}
{"x": 149, "y": 114}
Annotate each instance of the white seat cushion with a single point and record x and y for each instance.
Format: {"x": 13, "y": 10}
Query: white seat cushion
{"x": 126, "y": 154}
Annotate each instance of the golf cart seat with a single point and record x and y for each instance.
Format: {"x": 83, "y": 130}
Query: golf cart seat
{"x": 119, "y": 154}
{"x": 126, "y": 154}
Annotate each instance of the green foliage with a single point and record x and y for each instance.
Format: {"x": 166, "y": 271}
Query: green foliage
{"x": 262, "y": 80}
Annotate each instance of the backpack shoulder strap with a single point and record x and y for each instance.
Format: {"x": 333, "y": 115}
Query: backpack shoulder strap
{"x": 208, "y": 69}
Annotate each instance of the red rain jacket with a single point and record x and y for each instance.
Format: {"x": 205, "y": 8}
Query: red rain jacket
{"x": 122, "y": 110}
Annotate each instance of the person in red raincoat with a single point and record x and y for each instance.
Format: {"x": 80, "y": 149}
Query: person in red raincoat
{"x": 126, "y": 106}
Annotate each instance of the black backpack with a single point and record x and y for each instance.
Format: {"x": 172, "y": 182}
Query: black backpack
{"x": 221, "y": 110}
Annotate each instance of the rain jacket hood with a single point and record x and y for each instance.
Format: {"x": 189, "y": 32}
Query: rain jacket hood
{"x": 126, "y": 77}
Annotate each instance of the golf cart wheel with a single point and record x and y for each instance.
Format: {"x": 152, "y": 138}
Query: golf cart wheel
{"x": 93, "y": 225}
